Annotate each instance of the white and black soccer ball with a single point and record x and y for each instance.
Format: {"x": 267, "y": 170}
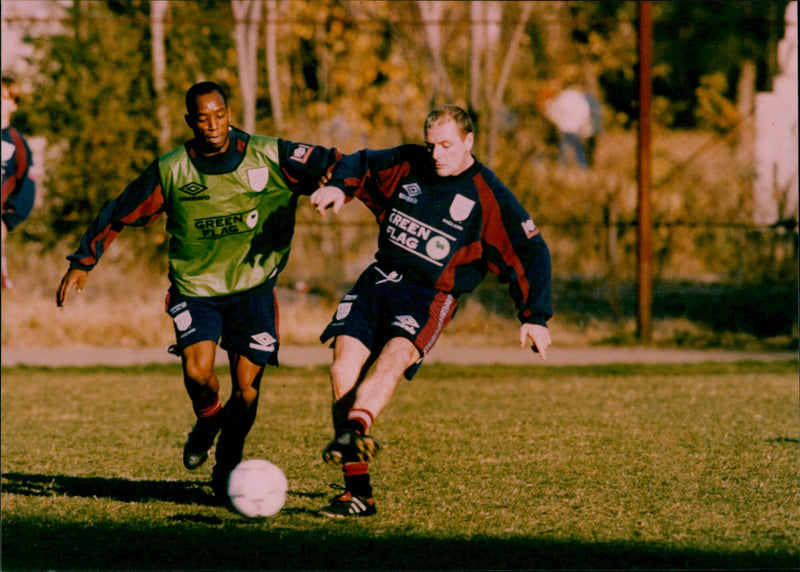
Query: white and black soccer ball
{"x": 257, "y": 488}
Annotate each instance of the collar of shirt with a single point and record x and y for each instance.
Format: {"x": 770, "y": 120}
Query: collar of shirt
{"x": 224, "y": 162}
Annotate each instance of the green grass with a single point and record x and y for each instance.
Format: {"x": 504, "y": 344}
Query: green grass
{"x": 608, "y": 467}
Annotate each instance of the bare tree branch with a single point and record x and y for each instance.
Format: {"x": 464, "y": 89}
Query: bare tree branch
{"x": 271, "y": 49}
{"x": 511, "y": 53}
{"x": 247, "y": 14}
{"x": 158, "y": 14}
{"x": 432, "y": 12}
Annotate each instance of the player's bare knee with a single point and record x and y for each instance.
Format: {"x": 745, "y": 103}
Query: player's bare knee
{"x": 397, "y": 355}
{"x": 343, "y": 370}
{"x": 248, "y": 395}
{"x": 199, "y": 372}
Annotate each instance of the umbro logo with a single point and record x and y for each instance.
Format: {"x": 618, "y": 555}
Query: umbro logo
{"x": 408, "y": 323}
{"x": 410, "y": 192}
{"x": 192, "y": 188}
{"x": 263, "y": 342}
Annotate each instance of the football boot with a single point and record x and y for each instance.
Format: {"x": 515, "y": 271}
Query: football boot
{"x": 348, "y": 505}
{"x": 351, "y": 446}
{"x": 200, "y": 440}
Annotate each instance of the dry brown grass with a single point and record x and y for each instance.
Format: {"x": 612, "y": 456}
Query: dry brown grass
{"x": 123, "y": 306}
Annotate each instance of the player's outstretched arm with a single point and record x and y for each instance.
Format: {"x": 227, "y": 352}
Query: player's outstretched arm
{"x": 540, "y": 336}
{"x": 74, "y": 278}
{"x": 328, "y": 197}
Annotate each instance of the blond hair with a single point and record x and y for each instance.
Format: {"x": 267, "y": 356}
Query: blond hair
{"x": 453, "y": 113}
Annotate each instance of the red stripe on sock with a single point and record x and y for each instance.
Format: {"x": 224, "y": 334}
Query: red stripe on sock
{"x": 211, "y": 409}
{"x": 362, "y": 416}
{"x": 353, "y": 469}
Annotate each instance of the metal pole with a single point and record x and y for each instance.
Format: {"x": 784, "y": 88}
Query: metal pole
{"x": 645, "y": 224}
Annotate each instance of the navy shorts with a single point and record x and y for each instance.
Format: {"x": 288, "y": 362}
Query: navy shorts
{"x": 245, "y": 323}
{"x": 383, "y": 305}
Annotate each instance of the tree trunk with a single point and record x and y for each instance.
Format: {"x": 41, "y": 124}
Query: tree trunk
{"x": 495, "y": 96}
{"x": 247, "y": 15}
{"x": 432, "y": 12}
{"x": 556, "y": 32}
{"x": 477, "y": 64}
{"x": 158, "y": 14}
{"x": 476, "y": 44}
{"x": 80, "y": 21}
{"x": 324, "y": 56}
{"x": 746, "y": 106}
{"x": 271, "y": 49}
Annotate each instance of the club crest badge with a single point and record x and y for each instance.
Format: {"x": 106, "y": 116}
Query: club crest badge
{"x": 529, "y": 228}
{"x": 258, "y": 178}
{"x": 343, "y": 310}
{"x": 183, "y": 321}
{"x": 8, "y": 150}
{"x": 461, "y": 207}
{"x": 301, "y": 153}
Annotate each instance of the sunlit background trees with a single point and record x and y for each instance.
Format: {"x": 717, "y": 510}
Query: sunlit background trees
{"x": 106, "y": 79}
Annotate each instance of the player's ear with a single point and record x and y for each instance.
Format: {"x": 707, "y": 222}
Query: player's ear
{"x": 469, "y": 140}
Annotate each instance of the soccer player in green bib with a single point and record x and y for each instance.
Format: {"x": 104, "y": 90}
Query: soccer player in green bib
{"x": 230, "y": 200}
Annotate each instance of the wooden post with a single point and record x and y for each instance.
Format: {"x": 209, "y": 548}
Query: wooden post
{"x": 645, "y": 223}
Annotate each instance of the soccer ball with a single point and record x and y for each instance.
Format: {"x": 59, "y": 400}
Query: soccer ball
{"x": 257, "y": 488}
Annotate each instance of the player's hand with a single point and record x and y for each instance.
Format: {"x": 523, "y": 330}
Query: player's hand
{"x": 328, "y": 197}
{"x": 540, "y": 336}
{"x": 74, "y": 278}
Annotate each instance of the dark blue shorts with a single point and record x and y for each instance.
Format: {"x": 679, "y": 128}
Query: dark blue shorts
{"x": 383, "y": 305}
{"x": 245, "y": 323}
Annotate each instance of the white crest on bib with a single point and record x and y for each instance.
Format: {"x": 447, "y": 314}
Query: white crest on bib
{"x": 258, "y": 178}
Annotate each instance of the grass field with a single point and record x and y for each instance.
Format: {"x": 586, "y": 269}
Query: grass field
{"x": 603, "y": 467}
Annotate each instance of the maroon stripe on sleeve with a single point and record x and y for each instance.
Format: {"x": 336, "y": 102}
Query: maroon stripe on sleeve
{"x": 150, "y": 208}
{"x": 494, "y": 233}
{"x": 390, "y": 178}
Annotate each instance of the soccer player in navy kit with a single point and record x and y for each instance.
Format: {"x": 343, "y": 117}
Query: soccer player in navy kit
{"x": 19, "y": 189}
{"x": 445, "y": 221}
{"x": 230, "y": 200}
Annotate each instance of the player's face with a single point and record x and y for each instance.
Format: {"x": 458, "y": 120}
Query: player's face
{"x": 210, "y": 124}
{"x": 450, "y": 150}
{"x": 9, "y": 107}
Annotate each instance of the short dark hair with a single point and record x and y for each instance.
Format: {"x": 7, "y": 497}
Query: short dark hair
{"x": 453, "y": 112}
{"x": 12, "y": 87}
{"x": 202, "y": 88}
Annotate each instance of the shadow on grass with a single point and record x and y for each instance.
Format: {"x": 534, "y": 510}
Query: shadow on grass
{"x": 125, "y": 490}
{"x": 211, "y": 543}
